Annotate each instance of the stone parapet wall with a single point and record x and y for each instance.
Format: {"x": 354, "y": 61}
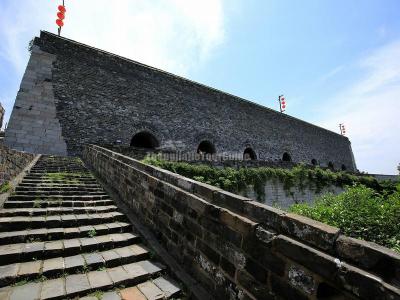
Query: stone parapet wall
{"x": 12, "y": 162}
{"x": 384, "y": 177}
{"x": 241, "y": 249}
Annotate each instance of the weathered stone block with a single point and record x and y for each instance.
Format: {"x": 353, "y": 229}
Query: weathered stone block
{"x": 280, "y": 288}
{"x": 315, "y": 260}
{"x": 310, "y": 231}
{"x": 378, "y": 259}
{"x": 238, "y": 223}
{"x": 255, "y": 288}
{"x": 261, "y": 213}
{"x": 228, "y": 200}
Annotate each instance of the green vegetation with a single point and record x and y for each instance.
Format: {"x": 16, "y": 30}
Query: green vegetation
{"x": 97, "y": 294}
{"x": 237, "y": 180}
{"x": 360, "y": 212}
{"x": 37, "y": 203}
{"x": 367, "y": 209}
{"x": 19, "y": 283}
{"x": 66, "y": 177}
{"x": 92, "y": 233}
{"x": 5, "y": 187}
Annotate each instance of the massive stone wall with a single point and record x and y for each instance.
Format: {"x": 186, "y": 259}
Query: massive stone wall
{"x": 240, "y": 249}
{"x": 12, "y": 162}
{"x": 34, "y": 126}
{"x": 101, "y": 98}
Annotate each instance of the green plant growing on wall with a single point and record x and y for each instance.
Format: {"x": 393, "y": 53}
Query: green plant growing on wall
{"x": 5, "y": 187}
{"x": 238, "y": 180}
{"x": 360, "y": 212}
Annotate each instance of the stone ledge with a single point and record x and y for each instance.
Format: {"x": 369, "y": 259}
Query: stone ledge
{"x": 370, "y": 256}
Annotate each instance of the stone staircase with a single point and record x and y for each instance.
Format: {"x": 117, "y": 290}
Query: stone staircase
{"x": 62, "y": 237}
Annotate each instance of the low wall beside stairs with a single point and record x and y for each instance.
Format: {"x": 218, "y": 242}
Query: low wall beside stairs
{"x": 240, "y": 249}
{"x": 12, "y": 162}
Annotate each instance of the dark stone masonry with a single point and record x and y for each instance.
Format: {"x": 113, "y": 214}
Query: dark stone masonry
{"x": 12, "y": 163}
{"x": 73, "y": 94}
{"x": 240, "y": 249}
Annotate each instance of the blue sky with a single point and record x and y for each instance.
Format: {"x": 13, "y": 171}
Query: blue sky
{"x": 335, "y": 61}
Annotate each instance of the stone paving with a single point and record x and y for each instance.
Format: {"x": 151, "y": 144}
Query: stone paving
{"x": 62, "y": 237}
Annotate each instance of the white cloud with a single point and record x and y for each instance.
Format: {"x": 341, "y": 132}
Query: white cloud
{"x": 370, "y": 108}
{"x": 174, "y": 35}
{"x": 331, "y": 73}
{"x": 171, "y": 34}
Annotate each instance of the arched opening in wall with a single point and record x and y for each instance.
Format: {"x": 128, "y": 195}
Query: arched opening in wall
{"x": 286, "y": 157}
{"x": 249, "y": 154}
{"x": 145, "y": 140}
{"x": 206, "y": 147}
{"x": 314, "y": 162}
{"x": 331, "y": 166}
{"x": 344, "y": 168}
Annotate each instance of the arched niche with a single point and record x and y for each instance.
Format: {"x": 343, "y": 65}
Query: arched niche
{"x": 286, "y": 157}
{"x": 206, "y": 147}
{"x": 145, "y": 140}
{"x": 249, "y": 154}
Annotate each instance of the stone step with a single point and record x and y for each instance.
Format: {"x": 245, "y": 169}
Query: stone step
{"x": 56, "y": 182}
{"x": 25, "y": 252}
{"x": 55, "y": 203}
{"x": 59, "y": 164}
{"x": 59, "y": 192}
{"x": 58, "y": 198}
{"x": 49, "y": 187}
{"x": 159, "y": 288}
{"x": 46, "y": 180}
{"x": 66, "y": 221}
{"x": 59, "y": 170}
{"x": 49, "y": 234}
{"x": 37, "y": 211}
{"x": 46, "y": 163}
{"x": 143, "y": 279}
{"x": 56, "y": 179}
{"x": 60, "y": 175}
{"x": 28, "y": 186}
{"x": 61, "y": 237}
{"x": 33, "y": 270}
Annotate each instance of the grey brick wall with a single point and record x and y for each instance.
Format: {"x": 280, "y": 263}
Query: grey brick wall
{"x": 33, "y": 125}
{"x": 237, "y": 248}
{"x": 12, "y": 163}
{"x": 275, "y": 194}
{"x": 101, "y": 98}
